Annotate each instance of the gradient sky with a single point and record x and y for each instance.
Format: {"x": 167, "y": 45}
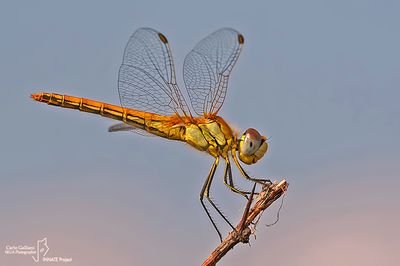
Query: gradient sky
{"x": 321, "y": 78}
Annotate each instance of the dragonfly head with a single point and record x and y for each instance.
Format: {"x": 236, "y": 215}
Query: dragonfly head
{"x": 252, "y": 146}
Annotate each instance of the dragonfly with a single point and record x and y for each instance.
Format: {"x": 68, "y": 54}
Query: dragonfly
{"x": 152, "y": 103}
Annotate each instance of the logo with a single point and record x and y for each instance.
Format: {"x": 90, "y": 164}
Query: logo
{"x": 38, "y": 252}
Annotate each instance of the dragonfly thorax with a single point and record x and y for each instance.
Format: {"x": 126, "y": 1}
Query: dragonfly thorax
{"x": 211, "y": 135}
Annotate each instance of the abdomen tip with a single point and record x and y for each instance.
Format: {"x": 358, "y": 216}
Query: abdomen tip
{"x": 36, "y": 96}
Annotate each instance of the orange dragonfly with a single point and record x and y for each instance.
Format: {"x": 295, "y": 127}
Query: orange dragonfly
{"x": 152, "y": 103}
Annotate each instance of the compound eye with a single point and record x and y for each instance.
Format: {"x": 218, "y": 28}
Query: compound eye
{"x": 250, "y": 142}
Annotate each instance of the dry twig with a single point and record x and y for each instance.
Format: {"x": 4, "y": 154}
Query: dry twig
{"x": 242, "y": 233}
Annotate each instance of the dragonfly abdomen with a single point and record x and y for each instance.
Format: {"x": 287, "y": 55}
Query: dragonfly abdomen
{"x": 152, "y": 123}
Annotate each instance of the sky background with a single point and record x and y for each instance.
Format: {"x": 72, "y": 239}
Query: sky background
{"x": 320, "y": 78}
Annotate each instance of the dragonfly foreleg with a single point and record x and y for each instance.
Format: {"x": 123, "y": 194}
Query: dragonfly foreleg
{"x": 261, "y": 181}
{"x": 205, "y": 193}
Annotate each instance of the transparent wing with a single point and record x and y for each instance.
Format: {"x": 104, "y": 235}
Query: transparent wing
{"x": 125, "y": 127}
{"x": 120, "y": 127}
{"x": 207, "y": 67}
{"x": 147, "y": 79}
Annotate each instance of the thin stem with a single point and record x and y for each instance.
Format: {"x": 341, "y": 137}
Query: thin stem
{"x": 268, "y": 195}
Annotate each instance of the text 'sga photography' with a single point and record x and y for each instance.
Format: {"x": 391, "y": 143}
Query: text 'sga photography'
{"x": 38, "y": 252}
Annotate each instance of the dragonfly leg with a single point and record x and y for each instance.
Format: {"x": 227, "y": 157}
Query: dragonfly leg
{"x": 205, "y": 193}
{"x": 228, "y": 181}
{"x": 261, "y": 181}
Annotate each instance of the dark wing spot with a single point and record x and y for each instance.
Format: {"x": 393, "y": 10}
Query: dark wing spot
{"x": 251, "y": 144}
{"x": 162, "y": 37}
{"x": 240, "y": 38}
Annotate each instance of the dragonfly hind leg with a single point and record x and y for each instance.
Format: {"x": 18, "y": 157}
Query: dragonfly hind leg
{"x": 205, "y": 193}
{"x": 228, "y": 180}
